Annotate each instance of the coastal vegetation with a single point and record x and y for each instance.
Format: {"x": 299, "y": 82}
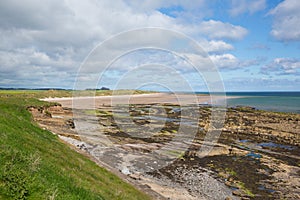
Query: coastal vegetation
{"x": 66, "y": 93}
{"x": 35, "y": 164}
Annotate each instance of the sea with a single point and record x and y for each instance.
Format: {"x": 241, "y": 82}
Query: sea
{"x": 271, "y": 101}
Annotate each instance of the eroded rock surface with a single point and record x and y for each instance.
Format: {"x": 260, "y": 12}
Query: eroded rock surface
{"x": 256, "y": 156}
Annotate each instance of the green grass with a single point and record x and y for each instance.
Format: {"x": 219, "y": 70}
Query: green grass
{"x": 66, "y": 93}
{"x": 230, "y": 171}
{"x": 246, "y": 190}
{"x": 35, "y": 93}
{"x": 34, "y": 164}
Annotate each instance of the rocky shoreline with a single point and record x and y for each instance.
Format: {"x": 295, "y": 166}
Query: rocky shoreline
{"x": 256, "y": 156}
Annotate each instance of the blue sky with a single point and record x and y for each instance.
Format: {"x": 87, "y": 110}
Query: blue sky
{"x": 254, "y": 44}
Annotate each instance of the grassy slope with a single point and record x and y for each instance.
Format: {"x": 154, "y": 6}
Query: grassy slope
{"x": 34, "y": 164}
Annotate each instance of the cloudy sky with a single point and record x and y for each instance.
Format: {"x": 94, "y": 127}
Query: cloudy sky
{"x": 254, "y": 44}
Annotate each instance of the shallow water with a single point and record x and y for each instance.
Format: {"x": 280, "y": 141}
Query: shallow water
{"x": 273, "y": 101}
{"x": 275, "y": 145}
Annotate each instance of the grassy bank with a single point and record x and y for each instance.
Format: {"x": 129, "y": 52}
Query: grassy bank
{"x": 34, "y": 164}
{"x": 66, "y": 93}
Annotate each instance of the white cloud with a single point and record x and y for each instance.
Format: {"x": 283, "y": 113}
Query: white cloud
{"x": 230, "y": 62}
{"x": 286, "y": 21}
{"x": 31, "y": 68}
{"x": 282, "y": 66}
{"x": 218, "y": 30}
{"x": 215, "y": 46}
{"x": 227, "y": 61}
{"x": 42, "y": 39}
{"x": 243, "y": 6}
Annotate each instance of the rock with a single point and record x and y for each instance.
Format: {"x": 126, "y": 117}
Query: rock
{"x": 56, "y": 109}
{"x": 134, "y": 176}
{"x": 70, "y": 123}
{"x": 237, "y": 193}
{"x": 223, "y": 175}
{"x": 228, "y": 183}
{"x": 125, "y": 171}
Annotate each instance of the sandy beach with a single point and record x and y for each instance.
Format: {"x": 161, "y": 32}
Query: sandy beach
{"x": 90, "y": 102}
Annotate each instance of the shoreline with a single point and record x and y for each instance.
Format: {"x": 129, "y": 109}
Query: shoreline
{"x": 96, "y": 97}
{"x": 272, "y": 136}
{"x": 92, "y": 102}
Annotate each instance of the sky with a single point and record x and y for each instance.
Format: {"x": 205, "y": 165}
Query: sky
{"x": 254, "y": 45}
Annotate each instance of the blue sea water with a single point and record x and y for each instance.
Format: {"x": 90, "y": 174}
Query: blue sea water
{"x": 272, "y": 101}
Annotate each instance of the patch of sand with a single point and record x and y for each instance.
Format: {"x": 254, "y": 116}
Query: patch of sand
{"x": 167, "y": 98}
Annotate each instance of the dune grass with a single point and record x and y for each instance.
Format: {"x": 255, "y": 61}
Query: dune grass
{"x": 34, "y": 164}
{"x": 66, "y": 93}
